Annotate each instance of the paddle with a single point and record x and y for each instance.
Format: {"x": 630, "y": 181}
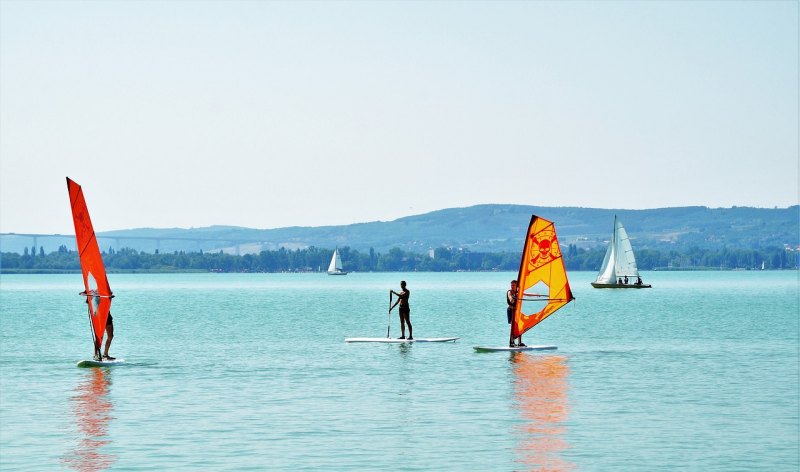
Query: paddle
{"x": 389, "y": 320}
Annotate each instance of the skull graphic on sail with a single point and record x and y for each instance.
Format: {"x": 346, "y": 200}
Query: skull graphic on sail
{"x": 543, "y": 250}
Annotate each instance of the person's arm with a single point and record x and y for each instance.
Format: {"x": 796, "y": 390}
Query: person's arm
{"x": 395, "y": 304}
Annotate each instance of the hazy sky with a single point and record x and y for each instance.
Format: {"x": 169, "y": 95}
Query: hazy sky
{"x": 270, "y": 114}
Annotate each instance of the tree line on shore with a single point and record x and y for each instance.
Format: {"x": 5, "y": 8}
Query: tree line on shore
{"x": 315, "y": 259}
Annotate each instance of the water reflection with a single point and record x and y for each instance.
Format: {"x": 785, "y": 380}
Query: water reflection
{"x": 92, "y": 410}
{"x": 541, "y": 396}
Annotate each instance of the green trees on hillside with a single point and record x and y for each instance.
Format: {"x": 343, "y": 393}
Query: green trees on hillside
{"x": 315, "y": 259}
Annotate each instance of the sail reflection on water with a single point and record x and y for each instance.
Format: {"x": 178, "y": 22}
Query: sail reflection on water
{"x": 541, "y": 396}
{"x": 92, "y": 410}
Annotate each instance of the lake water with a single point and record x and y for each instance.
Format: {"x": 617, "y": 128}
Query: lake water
{"x": 251, "y": 372}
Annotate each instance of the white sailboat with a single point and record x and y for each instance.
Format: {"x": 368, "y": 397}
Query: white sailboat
{"x": 335, "y": 268}
{"x": 619, "y": 268}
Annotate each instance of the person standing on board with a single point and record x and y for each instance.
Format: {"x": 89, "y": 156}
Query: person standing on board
{"x": 511, "y": 300}
{"x": 405, "y": 310}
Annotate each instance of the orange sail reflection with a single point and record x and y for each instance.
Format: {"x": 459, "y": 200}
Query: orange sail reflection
{"x": 540, "y": 394}
{"x": 92, "y": 411}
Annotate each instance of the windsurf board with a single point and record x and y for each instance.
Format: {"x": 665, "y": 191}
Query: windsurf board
{"x": 514, "y": 349}
{"x": 93, "y": 363}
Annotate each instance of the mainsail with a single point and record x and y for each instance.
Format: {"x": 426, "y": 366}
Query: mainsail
{"x": 619, "y": 260}
{"x": 542, "y": 285}
{"x": 98, "y": 293}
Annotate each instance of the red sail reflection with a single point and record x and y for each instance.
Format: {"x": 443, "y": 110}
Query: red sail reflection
{"x": 92, "y": 411}
{"x": 540, "y": 393}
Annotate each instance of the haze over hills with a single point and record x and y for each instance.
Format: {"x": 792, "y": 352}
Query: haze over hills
{"x": 479, "y": 228}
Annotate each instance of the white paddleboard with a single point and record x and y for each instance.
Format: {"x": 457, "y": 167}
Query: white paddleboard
{"x": 93, "y": 363}
{"x": 398, "y": 341}
{"x": 514, "y": 349}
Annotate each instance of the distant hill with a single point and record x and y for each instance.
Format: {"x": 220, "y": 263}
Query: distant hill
{"x": 484, "y": 228}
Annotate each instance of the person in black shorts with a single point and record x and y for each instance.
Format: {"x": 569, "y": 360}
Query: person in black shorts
{"x": 405, "y": 310}
{"x": 511, "y": 300}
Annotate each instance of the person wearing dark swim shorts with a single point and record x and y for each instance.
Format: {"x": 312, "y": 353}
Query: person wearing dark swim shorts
{"x": 511, "y": 300}
{"x": 405, "y": 310}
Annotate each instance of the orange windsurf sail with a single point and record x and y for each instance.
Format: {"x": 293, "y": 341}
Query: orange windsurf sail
{"x": 542, "y": 286}
{"x": 98, "y": 293}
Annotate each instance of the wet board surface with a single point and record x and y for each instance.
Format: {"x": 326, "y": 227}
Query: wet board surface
{"x": 399, "y": 341}
{"x": 514, "y": 349}
{"x": 93, "y": 363}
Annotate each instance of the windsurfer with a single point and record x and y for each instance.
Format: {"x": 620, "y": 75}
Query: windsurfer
{"x": 405, "y": 310}
{"x": 511, "y": 300}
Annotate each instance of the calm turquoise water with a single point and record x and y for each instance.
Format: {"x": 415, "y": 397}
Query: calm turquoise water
{"x": 250, "y": 371}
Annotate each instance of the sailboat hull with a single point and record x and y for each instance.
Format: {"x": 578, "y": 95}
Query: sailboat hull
{"x": 337, "y": 273}
{"x": 599, "y": 285}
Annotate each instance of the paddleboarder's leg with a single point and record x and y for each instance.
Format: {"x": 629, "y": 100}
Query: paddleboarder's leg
{"x": 405, "y": 319}
{"x": 407, "y": 315}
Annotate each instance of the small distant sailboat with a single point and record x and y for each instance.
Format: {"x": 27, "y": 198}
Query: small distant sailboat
{"x": 335, "y": 267}
{"x": 619, "y": 268}
{"x": 98, "y": 292}
{"x": 542, "y": 288}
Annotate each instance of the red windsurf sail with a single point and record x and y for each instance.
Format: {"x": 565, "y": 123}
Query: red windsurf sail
{"x": 542, "y": 286}
{"x": 98, "y": 293}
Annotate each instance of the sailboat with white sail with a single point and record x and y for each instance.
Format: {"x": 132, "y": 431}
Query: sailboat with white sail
{"x": 619, "y": 268}
{"x": 97, "y": 290}
{"x": 335, "y": 267}
{"x": 542, "y": 288}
